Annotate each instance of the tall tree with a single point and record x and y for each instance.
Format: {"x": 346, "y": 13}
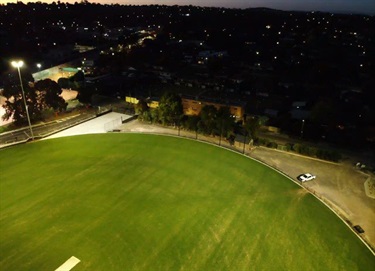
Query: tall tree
{"x": 208, "y": 116}
{"x": 85, "y": 92}
{"x": 141, "y": 107}
{"x": 252, "y": 126}
{"x": 224, "y": 122}
{"x": 143, "y": 110}
{"x": 14, "y": 106}
{"x": 191, "y": 122}
{"x": 40, "y": 96}
{"x": 49, "y": 95}
{"x": 170, "y": 109}
{"x": 78, "y": 77}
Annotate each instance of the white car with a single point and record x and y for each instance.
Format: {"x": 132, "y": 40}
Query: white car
{"x": 306, "y": 177}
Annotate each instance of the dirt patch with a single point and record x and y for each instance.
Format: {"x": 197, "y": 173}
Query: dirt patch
{"x": 68, "y": 94}
{"x": 301, "y": 193}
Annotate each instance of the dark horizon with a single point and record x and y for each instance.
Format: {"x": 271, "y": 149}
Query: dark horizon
{"x": 363, "y": 7}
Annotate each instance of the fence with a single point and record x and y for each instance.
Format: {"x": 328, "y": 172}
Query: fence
{"x": 112, "y": 125}
{"x": 237, "y": 146}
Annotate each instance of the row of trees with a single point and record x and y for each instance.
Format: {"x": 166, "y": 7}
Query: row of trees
{"x": 210, "y": 121}
{"x": 41, "y": 96}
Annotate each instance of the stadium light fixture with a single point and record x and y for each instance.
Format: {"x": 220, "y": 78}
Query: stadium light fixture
{"x": 18, "y": 65}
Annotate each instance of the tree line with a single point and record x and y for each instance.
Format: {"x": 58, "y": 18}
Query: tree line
{"x": 41, "y": 97}
{"x": 210, "y": 121}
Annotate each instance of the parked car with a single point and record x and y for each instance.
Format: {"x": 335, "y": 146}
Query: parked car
{"x": 306, "y": 177}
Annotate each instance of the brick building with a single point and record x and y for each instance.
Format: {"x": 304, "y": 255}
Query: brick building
{"x": 192, "y": 106}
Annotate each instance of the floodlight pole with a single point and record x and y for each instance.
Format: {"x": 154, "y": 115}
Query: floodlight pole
{"x": 221, "y": 131}
{"x": 303, "y": 123}
{"x": 18, "y": 65}
{"x": 244, "y": 142}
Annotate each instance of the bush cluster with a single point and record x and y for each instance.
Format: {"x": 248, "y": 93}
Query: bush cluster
{"x": 330, "y": 155}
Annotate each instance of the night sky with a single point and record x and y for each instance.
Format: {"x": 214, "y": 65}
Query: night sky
{"x": 342, "y": 6}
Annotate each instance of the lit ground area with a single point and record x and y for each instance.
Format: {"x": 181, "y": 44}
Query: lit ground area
{"x": 97, "y": 125}
{"x": 146, "y": 202}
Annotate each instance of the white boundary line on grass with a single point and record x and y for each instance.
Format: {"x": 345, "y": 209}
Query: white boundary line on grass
{"x": 69, "y": 264}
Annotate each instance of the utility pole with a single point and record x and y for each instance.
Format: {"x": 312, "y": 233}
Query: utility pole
{"x": 303, "y": 123}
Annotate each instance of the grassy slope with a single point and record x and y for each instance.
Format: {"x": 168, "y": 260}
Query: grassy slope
{"x": 142, "y": 202}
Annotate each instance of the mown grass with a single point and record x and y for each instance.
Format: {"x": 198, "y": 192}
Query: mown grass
{"x": 145, "y": 202}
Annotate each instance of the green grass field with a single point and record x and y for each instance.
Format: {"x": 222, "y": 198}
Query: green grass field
{"x": 146, "y": 202}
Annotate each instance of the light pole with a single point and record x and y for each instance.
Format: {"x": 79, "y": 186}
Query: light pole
{"x": 221, "y": 131}
{"x": 18, "y": 65}
{"x": 244, "y": 143}
{"x": 303, "y": 123}
{"x": 84, "y": 79}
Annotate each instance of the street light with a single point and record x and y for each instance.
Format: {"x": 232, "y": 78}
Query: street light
{"x": 18, "y": 65}
{"x": 39, "y": 66}
{"x": 303, "y": 123}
